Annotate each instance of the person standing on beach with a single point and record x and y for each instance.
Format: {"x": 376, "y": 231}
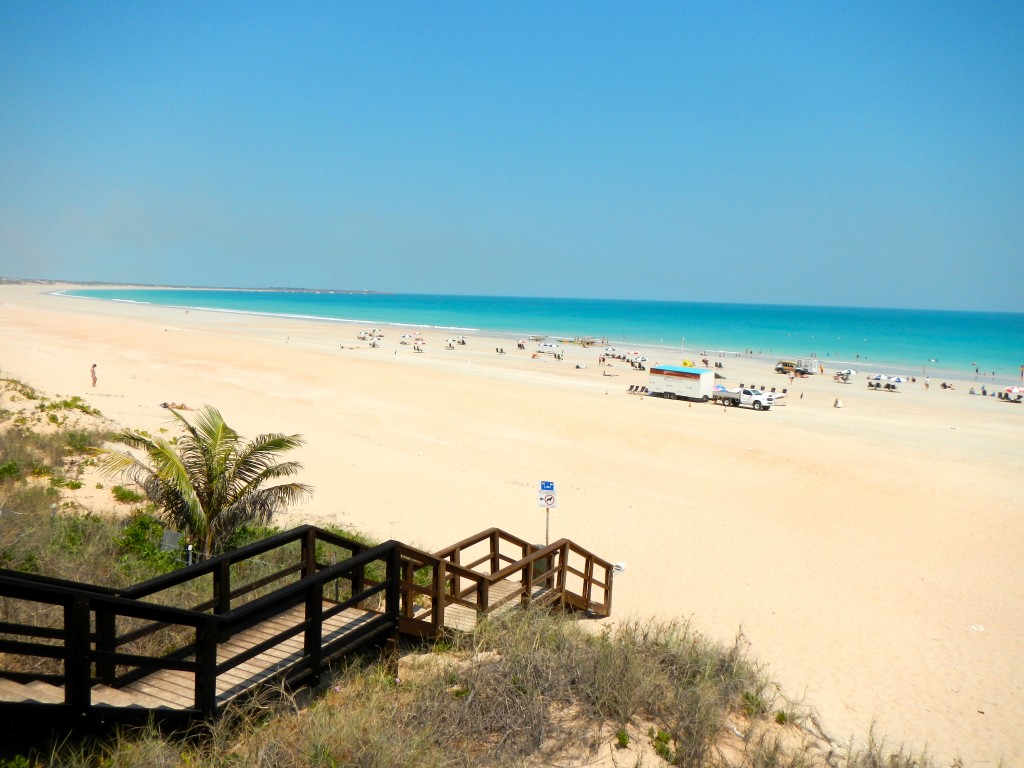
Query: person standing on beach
{"x": 93, "y": 372}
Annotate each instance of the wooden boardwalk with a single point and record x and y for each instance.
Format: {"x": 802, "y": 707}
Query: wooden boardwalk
{"x": 277, "y": 626}
{"x": 176, "y": 689}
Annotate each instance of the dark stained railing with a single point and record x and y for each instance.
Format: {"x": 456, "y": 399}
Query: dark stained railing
{"x": 115, "y": 637}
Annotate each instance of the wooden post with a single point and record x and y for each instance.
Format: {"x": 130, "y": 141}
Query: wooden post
{"x": 609, "y": 579}
{"x": 309, "y": 553}
{"x": 563, "y": 557}
{"x": 483, "y": 595}
{"x": 206, "y": 674}
{"x": 358, "y": 582}
{"x": 406, "y": 594}
{"x": 528, "y": 583}
{"x": 456, "y": 579}
{"x": 222, "y": 587}
{"x": 495, "y": 553}
{"x": 77, "y": 677}
{"x": 313, "y": 639}
{"x": 439, "y": 601}
{"x": 392, "y": 592}
{"x": 588, "y": 583}
{"x": 106, "y": 640}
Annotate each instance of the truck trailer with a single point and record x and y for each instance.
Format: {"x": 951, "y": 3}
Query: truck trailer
{"x": 675, "y": 382}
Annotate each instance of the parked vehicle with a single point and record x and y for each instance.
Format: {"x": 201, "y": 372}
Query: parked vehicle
{"x": 673, "y": 382}
{"x": 809, "y": 366}
{"x": 794, "y": 367}
{"x": 755, "y": 398}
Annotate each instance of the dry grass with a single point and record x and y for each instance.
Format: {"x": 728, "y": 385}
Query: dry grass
{"x": 531, "y": 689}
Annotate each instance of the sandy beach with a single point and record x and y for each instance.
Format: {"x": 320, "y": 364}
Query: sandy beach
{"x": 871, "y": 554}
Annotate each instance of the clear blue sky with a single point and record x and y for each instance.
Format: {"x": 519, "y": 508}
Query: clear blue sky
{"x": 847, "y": 153}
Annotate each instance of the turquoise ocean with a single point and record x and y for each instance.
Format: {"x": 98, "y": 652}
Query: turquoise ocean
{"x": 895, "y": 341}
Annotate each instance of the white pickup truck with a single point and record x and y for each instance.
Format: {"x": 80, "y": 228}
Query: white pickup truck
{"x": 755, "y": 398}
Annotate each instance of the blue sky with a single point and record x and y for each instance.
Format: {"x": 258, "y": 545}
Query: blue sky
{"x": 863, "y": 154}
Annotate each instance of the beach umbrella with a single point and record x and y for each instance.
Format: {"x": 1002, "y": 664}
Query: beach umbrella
{"x": 897, "y": 379}
{"x": 1015, "y": 390}
{"x": 880, "y": 377}
{"x": 847, "y": 372}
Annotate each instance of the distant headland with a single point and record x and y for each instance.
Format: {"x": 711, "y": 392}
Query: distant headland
{"x": 148, "y": 286}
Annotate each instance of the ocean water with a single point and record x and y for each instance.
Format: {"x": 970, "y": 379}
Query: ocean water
{"x": 897, "y": 341}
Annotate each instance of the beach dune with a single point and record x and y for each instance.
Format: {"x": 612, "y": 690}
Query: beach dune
{"x": 870, "y": 554}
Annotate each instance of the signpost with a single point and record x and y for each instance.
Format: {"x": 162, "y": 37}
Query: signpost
{"x": 547, "y": 498}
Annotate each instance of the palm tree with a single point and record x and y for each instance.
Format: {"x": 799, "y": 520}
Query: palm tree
{"x": 208, "y": 483}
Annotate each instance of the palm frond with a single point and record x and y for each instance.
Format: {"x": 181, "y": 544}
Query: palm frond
{"x": 208, "y": 483}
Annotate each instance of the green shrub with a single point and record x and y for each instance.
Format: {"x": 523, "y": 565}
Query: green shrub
{"x": 661, "y": 741}
{"x": 83, "y": 441}
{"x": 21, "y": 388}
{"x": 140, "y": 540}
{"x": 754, "y": 704}
{"x": 9, "y": 469}
{"x": 126, "y": 495}
{"x": 69, "y": 404}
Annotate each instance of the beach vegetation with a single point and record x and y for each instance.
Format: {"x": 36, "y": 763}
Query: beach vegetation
{"x": 126, "y": 495}
{"x": 74, "y": 403}
{"x": 20, "y": 388}
{"x": 755, "y": 703}
{"x": 211, "y": 482}
{"x": 59, "y": 481}
{"x": 139, "y": 542}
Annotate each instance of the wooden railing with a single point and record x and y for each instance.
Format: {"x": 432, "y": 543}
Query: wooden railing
{"x": 90, "y": 649}
{"x": 96, "y": 635}
{"x": 560, "y": 571}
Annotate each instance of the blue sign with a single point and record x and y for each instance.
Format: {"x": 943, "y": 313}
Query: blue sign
{"x": 547, "y": 485}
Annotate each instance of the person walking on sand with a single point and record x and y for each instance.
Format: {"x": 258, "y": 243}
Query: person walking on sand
{"x": 93, "y": 372}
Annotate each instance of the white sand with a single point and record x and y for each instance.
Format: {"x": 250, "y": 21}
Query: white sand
{"x": 870, "y": 553}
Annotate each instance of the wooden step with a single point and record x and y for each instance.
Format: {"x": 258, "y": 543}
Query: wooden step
{"x": 37, "y": 691}
{"x": 12, "y": 691}
{"x": 103, "y": 695}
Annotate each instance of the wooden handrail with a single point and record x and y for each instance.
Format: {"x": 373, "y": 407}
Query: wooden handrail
{"x": 80, "y": 646}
